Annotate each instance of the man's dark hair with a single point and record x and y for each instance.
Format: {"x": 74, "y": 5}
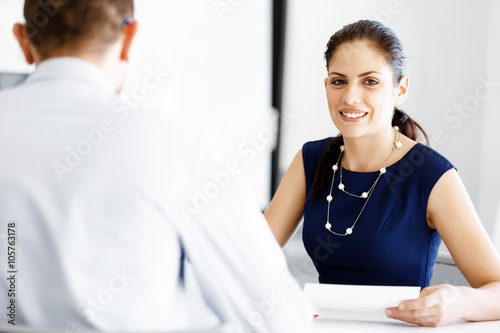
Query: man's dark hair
{"x": 79, "y": 25}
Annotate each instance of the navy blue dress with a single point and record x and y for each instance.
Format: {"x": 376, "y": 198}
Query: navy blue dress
{"x": 391, "y": 243}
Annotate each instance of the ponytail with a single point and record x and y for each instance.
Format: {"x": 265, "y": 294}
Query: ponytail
{"x": 407, "y": 126}
{"x": 322, "y": 174}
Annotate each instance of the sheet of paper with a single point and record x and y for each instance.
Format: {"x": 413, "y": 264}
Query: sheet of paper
{"x": 358, "y": 298}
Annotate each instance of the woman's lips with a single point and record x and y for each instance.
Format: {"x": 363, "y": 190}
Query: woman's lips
{"x": 352, "y": 115}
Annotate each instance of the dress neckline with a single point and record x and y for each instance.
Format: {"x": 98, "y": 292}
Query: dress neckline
{"x": 389, "y": 167}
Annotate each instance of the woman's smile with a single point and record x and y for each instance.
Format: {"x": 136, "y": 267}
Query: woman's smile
{"x": 352, "y": 115}
{"x": 361, "y": 91}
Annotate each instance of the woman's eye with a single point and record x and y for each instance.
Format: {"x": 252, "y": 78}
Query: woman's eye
{"x": 371, "y": 82}
{"x": 338, "y": 82}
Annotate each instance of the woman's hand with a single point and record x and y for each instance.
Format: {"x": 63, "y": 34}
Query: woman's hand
{"x": 436, "y": 305}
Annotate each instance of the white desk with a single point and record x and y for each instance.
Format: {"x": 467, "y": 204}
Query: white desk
{"x": 334, "y": 322}
{"x": 342, "y": 321}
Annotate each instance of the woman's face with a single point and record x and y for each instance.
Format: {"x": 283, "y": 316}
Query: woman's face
{"x": 360, "y": 90}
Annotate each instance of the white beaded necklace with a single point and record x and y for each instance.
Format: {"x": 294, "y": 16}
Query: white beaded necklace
{"x": 365, "y": 195}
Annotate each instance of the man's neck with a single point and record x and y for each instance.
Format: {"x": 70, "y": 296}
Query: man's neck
{"x": 113, "y": 70}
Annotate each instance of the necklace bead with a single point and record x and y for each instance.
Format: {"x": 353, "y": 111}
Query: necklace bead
{"x": 341, "y": 186}
{"x": 328, "y": 225}
{"x": 364, "y": 195}
{"x": 335, "y": 167}
{"x": 348, "y": 231}
{"x": 329, "y": 198}
{"x": 383, "y": 170}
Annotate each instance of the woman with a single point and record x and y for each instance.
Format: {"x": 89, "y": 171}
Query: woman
{"x": 375, "y": 202}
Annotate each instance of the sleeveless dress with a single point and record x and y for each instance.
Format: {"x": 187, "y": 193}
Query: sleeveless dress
{"x": 391, "y": 243}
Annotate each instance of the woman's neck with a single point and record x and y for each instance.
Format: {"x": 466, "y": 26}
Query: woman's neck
{"x": 369, "y": 153}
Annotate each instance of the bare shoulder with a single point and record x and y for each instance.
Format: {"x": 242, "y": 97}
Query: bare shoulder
{"x": 447, "y": 198}
{"x": 452, "y": 214}
{"x": 297, "y": 164}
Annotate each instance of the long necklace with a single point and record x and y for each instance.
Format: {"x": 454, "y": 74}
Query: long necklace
{"x": 364, "y": 195}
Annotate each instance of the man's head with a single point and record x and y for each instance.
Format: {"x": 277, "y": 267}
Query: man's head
{"x": 82, "y": 28}
{"x": 82, "y": 25}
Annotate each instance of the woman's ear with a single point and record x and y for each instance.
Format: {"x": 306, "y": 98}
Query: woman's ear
{"x": 402, "y": 90}
{"x": 24, "y": 41}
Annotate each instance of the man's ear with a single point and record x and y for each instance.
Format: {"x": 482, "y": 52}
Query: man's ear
{"x": 130, "y": 30}
{"x": 24, "y": 41}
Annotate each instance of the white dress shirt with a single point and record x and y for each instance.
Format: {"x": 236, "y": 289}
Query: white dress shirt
{"x": 107, "y": 201}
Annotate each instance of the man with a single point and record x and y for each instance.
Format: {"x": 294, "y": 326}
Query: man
{"x": 101, "y": 203}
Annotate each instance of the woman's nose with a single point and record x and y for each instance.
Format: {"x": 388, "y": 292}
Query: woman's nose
{"x": 352, "y": 95}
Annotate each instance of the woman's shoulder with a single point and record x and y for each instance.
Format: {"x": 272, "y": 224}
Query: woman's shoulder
{"x": 420, "y": 169}
{"x": 424, "y": 155}
{"x": 312, "y": 152}
{"x": 316, "y": 146}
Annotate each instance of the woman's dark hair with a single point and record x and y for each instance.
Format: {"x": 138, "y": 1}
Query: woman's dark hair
{"x": 383, "y": 39}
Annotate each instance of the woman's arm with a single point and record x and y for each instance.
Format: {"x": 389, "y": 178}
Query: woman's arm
{"x": 452, "y": 213}
{"x": 287, "y": 206}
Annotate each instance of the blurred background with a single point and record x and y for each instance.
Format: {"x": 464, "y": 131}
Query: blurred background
{"x": 248, "y": 76}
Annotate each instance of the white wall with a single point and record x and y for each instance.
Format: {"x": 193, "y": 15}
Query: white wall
{"x": 11, "y": 58}
{"x": 450, "y": 44}
{"x": 218, "y": 58}
{"x": 489, "y": 199}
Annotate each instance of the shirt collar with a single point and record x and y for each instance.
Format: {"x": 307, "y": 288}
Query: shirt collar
{"x": 70, "y": 68}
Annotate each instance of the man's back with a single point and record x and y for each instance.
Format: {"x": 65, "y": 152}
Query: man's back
{"x": 79, "y": 179}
